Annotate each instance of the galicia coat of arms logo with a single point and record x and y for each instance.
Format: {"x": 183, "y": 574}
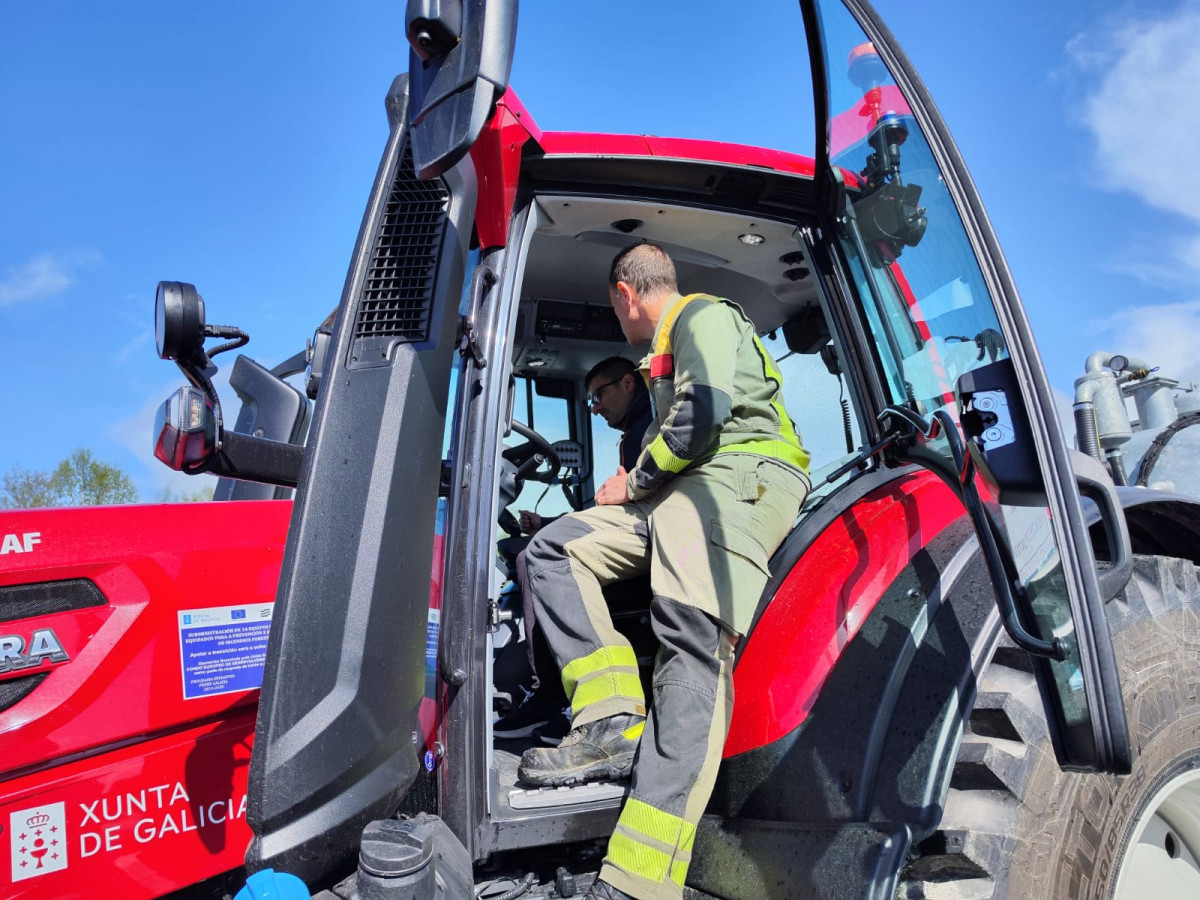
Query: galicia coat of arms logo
{"x": 38, "y": 837}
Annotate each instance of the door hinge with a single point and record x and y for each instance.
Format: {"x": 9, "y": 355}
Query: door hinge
{"x": 496, "y": 615}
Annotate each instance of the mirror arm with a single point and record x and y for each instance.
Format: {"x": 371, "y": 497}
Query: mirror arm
{"x": 249, "y": 458}
{"x": 995, "y": 553}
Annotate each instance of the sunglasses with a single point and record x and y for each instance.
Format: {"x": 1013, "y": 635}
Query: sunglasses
{"x": 593, "y": 399}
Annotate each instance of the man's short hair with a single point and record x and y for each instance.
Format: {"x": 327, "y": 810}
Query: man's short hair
{"x": 644, "y": 267}
{"x": 611, "y": 369}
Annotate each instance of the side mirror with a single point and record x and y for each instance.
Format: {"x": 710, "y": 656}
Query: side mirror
{"x": 999, "y": 436}
{"x": 459, "y": 64}
{"x": 185, "y": 431}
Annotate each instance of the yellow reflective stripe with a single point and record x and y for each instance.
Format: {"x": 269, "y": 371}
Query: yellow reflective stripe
{"x": 773, "y": 449}
{"x": 664, "y": 458}
{"x": 689, "y": 838}
{"x": 656, "y": 824}
{"x": 663, "y": 344}
{"x": 605, "y": 685}
{"x": 633, "y": 732}
{"x": 679, "y": 871}
{"x": 595, "y": 662}
{"x": 787, "y": 429}
{"x": 638, "y": 859}
{"x": 641, "y": 820}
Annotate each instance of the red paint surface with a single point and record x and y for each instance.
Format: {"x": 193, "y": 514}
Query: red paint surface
{"x": 497, "y": 159}
{"x": 498, "y": 151}
{"x": 824, "y": 601}
{"x": 137, "y": 822}
{"x": 113, "y": 718}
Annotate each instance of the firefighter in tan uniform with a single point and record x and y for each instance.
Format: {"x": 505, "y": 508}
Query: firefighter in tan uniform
{"x": 718, "y": 485}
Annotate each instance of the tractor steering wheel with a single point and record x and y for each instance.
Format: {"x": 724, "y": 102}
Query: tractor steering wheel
{"x": 529, "y": 456}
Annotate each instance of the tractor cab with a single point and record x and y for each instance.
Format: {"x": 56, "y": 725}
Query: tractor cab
{"x": 449, "y": 394}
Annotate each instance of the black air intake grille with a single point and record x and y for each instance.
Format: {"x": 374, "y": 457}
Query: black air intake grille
{"x": 17, "y": 689}
{"x": 398, "y": 290}
{"x": 24, "y": 601}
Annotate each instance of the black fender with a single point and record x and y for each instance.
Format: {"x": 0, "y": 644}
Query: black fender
{"x": 1160, "y": 523}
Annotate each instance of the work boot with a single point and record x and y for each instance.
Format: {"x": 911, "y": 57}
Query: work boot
{"x": 597, "y": 750}
{"x": 602, "y": 890}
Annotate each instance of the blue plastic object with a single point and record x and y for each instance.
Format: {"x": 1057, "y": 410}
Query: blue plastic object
{"x": 271, "y": 885}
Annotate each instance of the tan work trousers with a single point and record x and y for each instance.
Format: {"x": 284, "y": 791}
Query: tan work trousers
{"x": 705, "y": 540}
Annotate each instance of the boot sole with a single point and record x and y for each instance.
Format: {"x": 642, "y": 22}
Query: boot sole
{"x": 511, "y": 733}
{"x": 611, "y": 769}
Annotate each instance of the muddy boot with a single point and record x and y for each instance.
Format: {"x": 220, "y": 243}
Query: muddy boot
{"x": 602, "y": 890}
{"x": 600, "y": 749}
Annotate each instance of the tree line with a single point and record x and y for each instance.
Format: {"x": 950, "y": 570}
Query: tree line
{"x": 79, "y": 480}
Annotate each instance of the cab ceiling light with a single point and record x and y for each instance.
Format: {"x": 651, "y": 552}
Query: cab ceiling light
{"x": 751, "y": 239}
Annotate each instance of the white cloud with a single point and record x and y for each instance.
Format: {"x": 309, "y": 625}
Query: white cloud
{"x": 134, "y": 346}
{"x": 43, "y": 276}
{"x": 1144, "y": 76}
{"x": 1141, "y": 111}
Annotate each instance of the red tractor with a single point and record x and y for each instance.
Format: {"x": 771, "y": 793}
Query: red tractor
{"x": 973, "y": 671}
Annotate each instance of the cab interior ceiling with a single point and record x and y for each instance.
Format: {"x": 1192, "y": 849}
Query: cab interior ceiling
{"x": 571, "y": 253}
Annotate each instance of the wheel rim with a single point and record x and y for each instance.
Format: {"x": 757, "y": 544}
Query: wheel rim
{"x": 1163, "y": 858}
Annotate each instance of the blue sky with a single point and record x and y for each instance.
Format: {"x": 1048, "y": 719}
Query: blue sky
{"x": 232, "y": 145}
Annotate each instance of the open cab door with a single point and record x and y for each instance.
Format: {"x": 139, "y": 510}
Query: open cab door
{"x": 345, "y": 671}
{"x": 958, "y": 383}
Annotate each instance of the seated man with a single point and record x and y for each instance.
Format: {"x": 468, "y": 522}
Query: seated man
{"x": 616, "y": 392}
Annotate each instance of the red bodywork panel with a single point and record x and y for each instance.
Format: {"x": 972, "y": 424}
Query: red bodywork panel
{"x": 497, "y": 159}
{"x": 143, "y": 790}
{"x": 824, "y": 601}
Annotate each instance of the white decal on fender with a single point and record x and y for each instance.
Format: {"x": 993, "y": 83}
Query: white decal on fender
{"x": 39, "y": 841}
{"x": 20, "y": 543}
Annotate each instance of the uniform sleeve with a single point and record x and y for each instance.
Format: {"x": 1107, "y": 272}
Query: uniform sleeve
{"x": 704, "y": 344}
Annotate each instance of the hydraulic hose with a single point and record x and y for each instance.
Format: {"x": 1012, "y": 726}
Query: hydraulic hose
{"x": 1085, "y": 429}
{"x": 521, "y": 889}
{"x": 1116, "y": 466}
{"x": 1157, "y": 445}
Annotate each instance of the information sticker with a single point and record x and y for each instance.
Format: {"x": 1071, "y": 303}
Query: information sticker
{"x": 223, "y": 648}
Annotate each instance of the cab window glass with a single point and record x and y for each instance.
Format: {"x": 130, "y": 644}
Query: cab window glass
{"x": 928, "y": 306}
{"x": 551, "y": 418}
{"x": 815, "y": 396}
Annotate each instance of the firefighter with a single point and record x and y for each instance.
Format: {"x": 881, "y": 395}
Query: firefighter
{"x": 717, "y": 486}
{"x": 616, "y": 393}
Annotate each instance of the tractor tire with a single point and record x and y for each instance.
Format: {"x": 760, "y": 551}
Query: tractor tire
{"x": 1015, "y": 826}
